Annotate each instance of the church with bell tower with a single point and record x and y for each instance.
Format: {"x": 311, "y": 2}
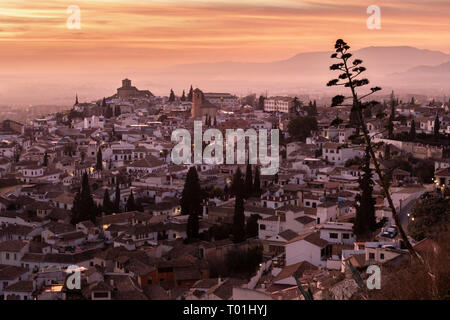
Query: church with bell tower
{"x": 201, "y": 107}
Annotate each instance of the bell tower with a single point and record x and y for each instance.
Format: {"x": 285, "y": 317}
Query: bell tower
{"x": 197, "y": 100}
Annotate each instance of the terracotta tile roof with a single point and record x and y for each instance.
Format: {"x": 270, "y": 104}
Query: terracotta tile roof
{"x": 8, "y": 272}
{"x": 294, "y": 270}
{"x": 20, "y": 286}
{"x": 12, "y": 245}
{"x": 288, "y": 234}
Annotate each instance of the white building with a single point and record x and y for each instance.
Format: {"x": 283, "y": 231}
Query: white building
{"x": 308, "y": 247}
{"x": 278, "y": 104}
{"x": 94, "y": 122}
{"x": 338, "y": 154}
{"x": 337, "y": 232}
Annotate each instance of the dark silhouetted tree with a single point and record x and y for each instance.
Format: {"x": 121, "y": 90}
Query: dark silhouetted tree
{"x": 261, "y": 102}
{"x": 191, "y": 203}
{"x": 238, "y": 229}
{"x": 171, "y": 96}
{"x": 412, "y": 131}
{"x": 251, "y": 228}
{"x": 300, "y": 127}
{"x": 349, "y": 78}
{"x": 248, "y": 188}
{"x": 45, "y": 162}
{"x": 437, "y": 125}
{"x": 99, "y": 163}
{"x": 365, "y": 220}
{"x": 117, "y": 198}
{"x": 108, "y": 206}
{"x": 130, "y": 205}
{"x": 257, "y": 182}
{"x": 183, "y": 96}
{"x": 84, "y": 207}
{"x": 190, "y": 94}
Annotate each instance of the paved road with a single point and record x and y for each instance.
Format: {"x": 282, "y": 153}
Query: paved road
{"x": 404, "y": 219}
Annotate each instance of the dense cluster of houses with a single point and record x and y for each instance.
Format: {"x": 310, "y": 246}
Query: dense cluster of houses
{"x": 305, "y": 211}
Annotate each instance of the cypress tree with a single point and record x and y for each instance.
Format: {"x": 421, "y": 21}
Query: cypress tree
{"x": 191, "y": 203}
{"x": 190, "y": 94}
{"x": 248, "y": 181}
{"x": 238, "y": 229}
{"x": 261, "y": 102}
{"x": 314, "y": 108}
{"x": 412, "y": 132}
{"x": 437, "y": 125}
{"x": 99, "y": 164}
{"x": 45, "y": 162}
{"x": 183, "y": 97}
{"x": 130, "y": 205}
{"x": 172, "y": 96}
{"x": 84, "y": 207}
{"x": 117, "y": 198}
{"x": 257, "y": 182}
{"x": 108, "y": 206}
{"x": 251, "y": 228}
{"x": 365, "y": 221}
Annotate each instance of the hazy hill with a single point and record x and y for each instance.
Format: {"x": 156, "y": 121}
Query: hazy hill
{"x": 310, "y": 70}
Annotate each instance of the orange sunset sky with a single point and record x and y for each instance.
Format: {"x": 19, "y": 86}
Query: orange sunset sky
{"x": 120, "y": 37}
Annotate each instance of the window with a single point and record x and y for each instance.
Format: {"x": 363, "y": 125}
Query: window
{"x": 371, "y": 255}
{"x": 7, "y": 256}
{"x": 262, "y": 227}
{"x": 333, "y": 235}
{"x": 345, "y": 236}
{"x": 381, "y": 256}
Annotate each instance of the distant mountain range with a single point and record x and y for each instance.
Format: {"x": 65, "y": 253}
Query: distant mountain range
{"x": 404, "y": 67}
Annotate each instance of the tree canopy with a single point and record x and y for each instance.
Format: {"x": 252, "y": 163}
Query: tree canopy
{"x": 300, "y": 127}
